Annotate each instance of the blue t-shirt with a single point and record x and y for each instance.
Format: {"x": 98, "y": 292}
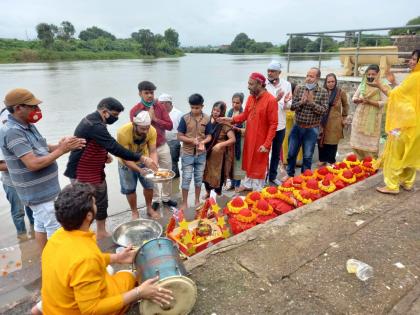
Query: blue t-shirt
{"x": 33, "y": 187}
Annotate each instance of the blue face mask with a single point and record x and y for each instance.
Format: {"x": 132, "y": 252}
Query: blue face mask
{"x": 147, "y": 104}
{"x": 310, "y": 86}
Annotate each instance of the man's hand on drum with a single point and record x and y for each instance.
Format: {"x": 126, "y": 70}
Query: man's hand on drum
{"x": 126, "y": 256}
{"x": 149, "y": 290}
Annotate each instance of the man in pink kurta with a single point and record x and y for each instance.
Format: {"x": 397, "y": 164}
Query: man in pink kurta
{"x": 261, "y": 116}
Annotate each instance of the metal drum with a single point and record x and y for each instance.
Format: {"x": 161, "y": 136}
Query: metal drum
{"x": 160, "y": 257}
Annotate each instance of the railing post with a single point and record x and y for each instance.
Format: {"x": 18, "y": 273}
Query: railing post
{"x": 356, "y": 61}
{"x": 320, "y": 50}
{"x": 289, "y": 50}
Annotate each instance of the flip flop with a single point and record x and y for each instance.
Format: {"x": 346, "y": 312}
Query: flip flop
{"x": 385, "y": 190}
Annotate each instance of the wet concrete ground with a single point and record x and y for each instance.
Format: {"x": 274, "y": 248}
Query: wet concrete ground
{"x": 19, "y": 289}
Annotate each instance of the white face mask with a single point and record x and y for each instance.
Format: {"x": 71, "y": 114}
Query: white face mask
{"x": 310, "y": 86}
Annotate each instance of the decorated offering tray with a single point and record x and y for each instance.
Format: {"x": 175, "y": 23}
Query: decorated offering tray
{"x": 162, "y": 175}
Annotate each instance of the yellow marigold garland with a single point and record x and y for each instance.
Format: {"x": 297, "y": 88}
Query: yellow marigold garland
{"x": 298, "y": 196}
{"x": 346, "y": 180}
{"x": 262, "y": 212}
{"x": 245, "y": 219}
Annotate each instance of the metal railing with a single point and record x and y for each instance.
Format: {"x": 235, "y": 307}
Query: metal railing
{"x": 357, "y": 36}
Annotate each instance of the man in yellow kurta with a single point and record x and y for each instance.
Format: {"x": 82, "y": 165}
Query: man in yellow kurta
{"x": 74, "y": 276}
{"x": 401, "y": 156}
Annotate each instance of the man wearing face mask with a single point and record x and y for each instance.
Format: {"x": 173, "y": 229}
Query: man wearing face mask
{"x": 87, "y": 165}
{"x": 162, "y": 123}
{"x": 137, "y": 136}
{"x": 31, "y": 162}
{"x": 310, "y": 102}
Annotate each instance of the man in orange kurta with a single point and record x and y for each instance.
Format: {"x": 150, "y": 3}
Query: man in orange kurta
{"x": 261, "y": 117}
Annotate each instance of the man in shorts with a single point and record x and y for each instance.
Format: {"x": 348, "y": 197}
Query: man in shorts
{"x": 137, "y": 136}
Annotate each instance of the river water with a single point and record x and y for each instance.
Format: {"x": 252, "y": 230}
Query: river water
{"x": 71, "y": 90}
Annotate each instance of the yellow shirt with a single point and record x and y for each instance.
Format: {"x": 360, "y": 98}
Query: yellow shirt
{"x": 74, "y": 276}
{"x": 126, "y": 137}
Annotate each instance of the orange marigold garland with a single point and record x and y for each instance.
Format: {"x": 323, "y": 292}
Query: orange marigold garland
{"x": 358, "y": 172}
{"x": 244, "y": 220}
{"x": 252, "y": 198}
{"x": 236, "y": 205}
{"x": 269, "y": 192}
{"x": 347, "y": 177}
{"x": 311, "y": 186}
{"x": 286, "y": 186}
{"x": 307, "y": 174}
{"x": 262, "y": 207}
{"x": 303, "y": 196}
{"x": 321, "y": 172}
{"x": 327, "y": 186}
{"x": 264, "y": 211}
{"x": 297, "y": 182}
{"x": 351, "y": 160}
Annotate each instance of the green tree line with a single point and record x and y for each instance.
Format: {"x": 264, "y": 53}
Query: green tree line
{"x": 59, "y": 43}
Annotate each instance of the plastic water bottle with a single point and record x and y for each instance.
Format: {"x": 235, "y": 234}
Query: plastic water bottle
{"x": 362, "y": 270}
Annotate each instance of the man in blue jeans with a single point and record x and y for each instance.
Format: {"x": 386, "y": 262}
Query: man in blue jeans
{"x": 194, "y": 133}
{"x": 310, "y": 103}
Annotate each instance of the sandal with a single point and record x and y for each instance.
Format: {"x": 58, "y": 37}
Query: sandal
{"x": 386, "y": 190}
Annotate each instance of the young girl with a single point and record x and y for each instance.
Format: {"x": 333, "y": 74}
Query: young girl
{"x": 239, "y": 129}
{"x": 219, "y": 152}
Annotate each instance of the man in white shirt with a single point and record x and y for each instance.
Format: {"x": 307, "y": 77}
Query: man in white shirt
{"x": 171, "y": 136}
{"x": 282, "y": 90}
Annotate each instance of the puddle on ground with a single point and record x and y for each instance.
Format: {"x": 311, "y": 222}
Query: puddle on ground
{"x": 10, "y": 260}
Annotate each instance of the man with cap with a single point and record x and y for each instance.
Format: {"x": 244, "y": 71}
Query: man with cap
{"x": 87, "y": 165}
{"x": 262, "y": 119}
{"x": 31, "y": 162}
{"x": 137, "y": 136}
{"x": 161, "y": 122}
{"x": 17, "y": 209}
{"x": 171, "y": 136}
{"x": 281, "y": 89}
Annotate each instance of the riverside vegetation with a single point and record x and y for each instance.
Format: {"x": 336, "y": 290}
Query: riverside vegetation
{"x": 56, "y": 43}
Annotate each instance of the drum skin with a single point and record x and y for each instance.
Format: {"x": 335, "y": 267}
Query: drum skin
{"x": 160, "y": 257}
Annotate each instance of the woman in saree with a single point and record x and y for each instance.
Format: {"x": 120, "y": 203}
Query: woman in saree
{"x": 367, "y": 118}
{"x": 239, "y": 130}
{"x": 219, "y": 152}
{"x": 401, "y": 157}
{"x": 333, "y": 121}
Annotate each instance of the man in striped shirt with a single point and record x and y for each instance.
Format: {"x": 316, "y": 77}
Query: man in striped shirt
{"x": 31, "y": 162}
{"x": 87, "y": 165}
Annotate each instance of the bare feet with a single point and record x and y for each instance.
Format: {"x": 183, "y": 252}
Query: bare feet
{"x": 135, "y": 215}
{"x": 197, "y": 203}
{"x": 183, "y": 206}
{"x": 407, "y": 188}
{"x": 386, "y": 190}
{"x": 155, "y": 215}
{"x": 102, "y": 235}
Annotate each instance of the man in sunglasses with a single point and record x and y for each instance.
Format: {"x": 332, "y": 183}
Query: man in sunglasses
{"x": 31, "y": 161}
{"x": 87, "y": 165}
{"x": 137, "y": 136}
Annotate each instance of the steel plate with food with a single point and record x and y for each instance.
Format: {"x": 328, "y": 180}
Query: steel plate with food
{"x": 162, "y": 175}
{"x": 136, "y": 232}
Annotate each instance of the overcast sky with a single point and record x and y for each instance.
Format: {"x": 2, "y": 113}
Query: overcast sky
{"x": 208, "y": 21}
